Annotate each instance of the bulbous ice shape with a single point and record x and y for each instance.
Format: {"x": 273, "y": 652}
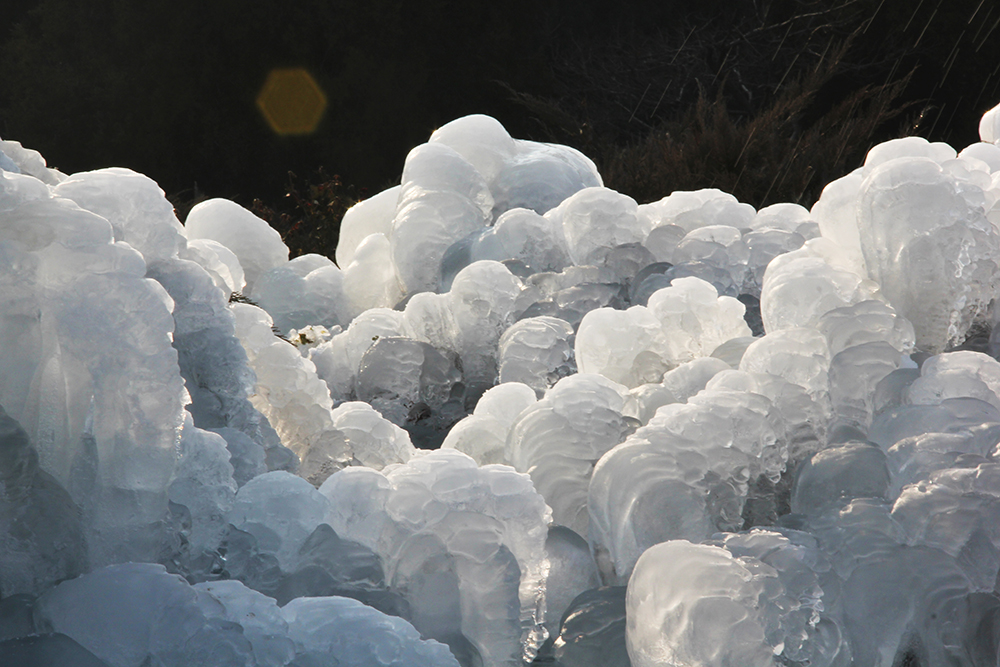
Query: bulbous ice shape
{"x": 307, "y": 290}
{"x": 255, "y": 243}
{"x": 696, "y": 319}
{"x": 464, "y": 545}
{"x": 962, "y": 374}
{"x": 934, "y": 254}
{"x": 481, "y": 140}
{"x": 481, "y": 300}
{"x": 690, "y": 210}
{"x": 625, "y": 346}
{"x": 677, "y": 386}
{"x": 719, "y": 246}
{"x": 683, "y": 475}
{"x": 838, "y": 474}
{"x": 88, "y": 367}
{"x": 442, "y": 200}
{"x": 372, "y": 440}
{"x": 483, "y": 434}
{"x": 800, "y": 286}
{"x": 358, "y": 636}
{"x": 692, "y": 604}
{"x": 520, "y": 234}
{"x": 140, "y": 614}
{"x": 540, "y": 176}
{"x": 537, "y": 351}
{"x": 292, "y": 396}
{"x": 598, "y": 219}
{"x": 220, "y": 262}
{"x": 989, "y": 125}
{"x": 370, "y": 279}
{"x": 370, "y": 216}
{"x": 866, "y": 322}
{"x": 800, "y": 356}
{"x": 559, "y": 439}
{"x": 134, "y": 205}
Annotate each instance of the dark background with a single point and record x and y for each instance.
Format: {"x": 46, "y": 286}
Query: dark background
{"x": 662, "y": 94}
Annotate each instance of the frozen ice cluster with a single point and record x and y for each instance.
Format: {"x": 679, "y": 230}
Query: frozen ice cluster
{"x": 518, "y": 418}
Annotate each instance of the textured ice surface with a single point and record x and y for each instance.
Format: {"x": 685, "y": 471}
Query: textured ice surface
{"x": 801, "y": 285}
{"x": 483, "y": 434}
{"x": 537, "y": 351}
{"x": 559, "y": 439}
{"x": 88, "y": 366}
{"x": 685, "y": 474}
{"x": 464, "y": 545}
{"x": 356, "y": 635}
{"x": 848, "y": 459}
{"x": 929, "y": 247}
{"x": 692, "y": 604}
{"x": 696, "y": 319}
{"x": 290, "y": 394}
{"x": 307, "y": 290}
{"x": 371, "y": 216}
{"x": 258, "y": 247}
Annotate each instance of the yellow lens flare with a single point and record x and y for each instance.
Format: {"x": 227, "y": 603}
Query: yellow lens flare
{"x": 291, "y": 101}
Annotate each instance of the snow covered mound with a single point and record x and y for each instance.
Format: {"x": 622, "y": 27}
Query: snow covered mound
{"x": 677, "y": 433}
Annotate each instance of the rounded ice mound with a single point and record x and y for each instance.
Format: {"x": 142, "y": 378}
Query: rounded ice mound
{"x": 465, "y": 545}
{"x": 719, "y": 246}
{"x": 626, "y": 346}
{"x": 255, "y": 243}
{"x": 696, "y": 319}
{"x": 540, "y": 176}
{"x": 786, "y": 217}
{"x": 800, "y": 286}
{"x": 139, "y": 614}
{"x": 690, "y": 210}
{"x": 903, "y": 147}
{"x": 483, "y": 434}
{"x": 358, "y": 636}
{"x": 962, "y": 374}
{"x": 220, "y": 262}
{"x": 370, "y": 279}
{"x": 800, "y": 356}
{"x": 481, "y": 140}
{"x": 934, "y": 254}
{"x": 559, "y": 439}
{"x": 537, "y": 351}
{"x": 989, "y": 125}
{"x": 292, "y": 396}
{"x": 691, "y": 604}
{"x": 372, "y": 440}
{"x": 529, "y": 239}
{"x": 442, "y": 199}
{"x": 307, "y": 290}
{"x": 370, "y": 216}
{"x": 838, "y": 474}
{"x": 595, "y": 220}
{"x": 684, "y": 475}
{"x": 135, "y": 206}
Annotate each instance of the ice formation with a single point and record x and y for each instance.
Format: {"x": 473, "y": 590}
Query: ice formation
{"x": 683, "y": 432}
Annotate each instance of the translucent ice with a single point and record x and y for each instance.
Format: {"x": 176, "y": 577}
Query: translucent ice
{"x": 464, "y": 545}
{"x": 307, "y": 290}
{"x": 483, "y": 434}
{"x": 258, "y": 247}
{"x": 933, "y": 253}
{"x": 537, "y": 351}
{"x": 691, "y": 604}
{"x": 559, "y": 439}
